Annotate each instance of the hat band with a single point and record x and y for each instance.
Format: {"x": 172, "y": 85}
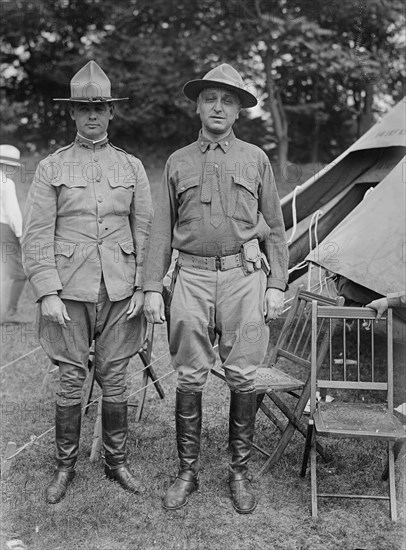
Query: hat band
{"x": 5, "y": 160}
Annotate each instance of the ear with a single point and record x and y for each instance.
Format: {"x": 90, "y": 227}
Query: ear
{"x": 72, "y": 111}
{"x": 198, "y": 106}
{"x": 111, "y": 107}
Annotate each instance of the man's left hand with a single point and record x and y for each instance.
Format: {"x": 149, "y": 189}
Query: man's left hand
{"x": 136, "y": 304}
{"x": 273, "y": 303}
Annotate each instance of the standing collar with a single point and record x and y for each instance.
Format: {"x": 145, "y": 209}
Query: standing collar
{"x": 224, "y": 143}
{"x": 89, "y": 143}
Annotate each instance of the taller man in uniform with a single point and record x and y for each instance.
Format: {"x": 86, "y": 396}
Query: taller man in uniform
{"x": 87, "y": 223}
{"x": 219, "y": 207}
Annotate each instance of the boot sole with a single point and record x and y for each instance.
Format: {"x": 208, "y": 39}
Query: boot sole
{"x": 244, "y": 511}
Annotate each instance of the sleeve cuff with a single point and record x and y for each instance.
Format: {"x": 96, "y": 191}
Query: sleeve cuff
{"x": 153, "y": 287}
{"x": 394, "y": 301}
{"x": 45, "y": 282}
{"x": 277, "y": 283}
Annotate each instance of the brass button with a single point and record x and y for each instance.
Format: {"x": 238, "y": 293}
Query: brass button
{"x": 100, "y": 198}
{"x": 100, "y": 241}
{"x": 96, "y": 159}
{"x": 98, "y": 178}
{"x": 100, "y": 220}
{"x": 226, "y": 143}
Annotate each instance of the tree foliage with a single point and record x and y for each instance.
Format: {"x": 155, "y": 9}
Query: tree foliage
{"x": 319, "y": 68}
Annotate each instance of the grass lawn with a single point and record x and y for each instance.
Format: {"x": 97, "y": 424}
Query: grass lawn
{"x": 98, "y": 514}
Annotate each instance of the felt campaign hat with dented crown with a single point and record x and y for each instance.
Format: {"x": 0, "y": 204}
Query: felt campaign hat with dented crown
{"x": 90, "y": 85}
{"x": 223, "y": 76}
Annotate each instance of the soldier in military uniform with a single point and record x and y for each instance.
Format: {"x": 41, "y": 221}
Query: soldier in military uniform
{"x": 87, "y": 222}
{"x": 219, "y": 207}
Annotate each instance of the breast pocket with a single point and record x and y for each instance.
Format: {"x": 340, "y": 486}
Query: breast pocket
{"x": 188, "y": 196}
{"x": 72, "y": 195}
{"x": 122, "y": 190}
{"x": 246, "y": 206}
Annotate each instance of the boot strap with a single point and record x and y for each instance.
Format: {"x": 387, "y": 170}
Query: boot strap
{"x": 239, "y": 477}
{"x": 188, "y": 477}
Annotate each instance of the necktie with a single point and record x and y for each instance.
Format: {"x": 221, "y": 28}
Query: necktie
{"x": 210, "y": 187}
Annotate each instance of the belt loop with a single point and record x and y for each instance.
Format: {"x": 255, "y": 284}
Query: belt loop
{"x": 218, "y": 263}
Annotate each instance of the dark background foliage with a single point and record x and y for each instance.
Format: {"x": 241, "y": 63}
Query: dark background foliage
{"x": 323, "y": 70}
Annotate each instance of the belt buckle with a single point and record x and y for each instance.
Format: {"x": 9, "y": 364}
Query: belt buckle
{"x": 218, "y": 263}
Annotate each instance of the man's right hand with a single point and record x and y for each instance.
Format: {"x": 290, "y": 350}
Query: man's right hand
{"x": 154, "y": 308}
{"x": 53, "y": 309}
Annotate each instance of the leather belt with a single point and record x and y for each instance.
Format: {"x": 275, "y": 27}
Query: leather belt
{"x": 211, "y": 263}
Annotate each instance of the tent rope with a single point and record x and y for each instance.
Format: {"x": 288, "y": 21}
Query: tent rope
{"x": 294, "y": 214}
{"x": 314, "y": 220}
{"x": 19, "y": 358}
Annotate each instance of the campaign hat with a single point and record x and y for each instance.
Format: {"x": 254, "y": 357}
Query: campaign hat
{"x": 90, "y": 85}
{"x": 222, "y": 76}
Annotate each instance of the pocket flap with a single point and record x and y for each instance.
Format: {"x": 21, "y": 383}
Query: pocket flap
{"x": 126, "y": 181}
{"x": 64, "y": 248}
{"x": 251, "y": 186}
{"x": 184, "y": 185}
{"x": 69, "y": 181}
{"x": 127, "y": 247}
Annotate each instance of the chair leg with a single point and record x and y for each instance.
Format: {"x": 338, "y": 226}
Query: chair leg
{"x": 392, "y": 487}
{"x": 306, "y": 452}
{"x": 313, "y": 473}
{"x": 396, "y": 450}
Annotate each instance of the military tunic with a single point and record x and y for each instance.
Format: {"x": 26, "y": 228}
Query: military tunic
{"x": 87, "y": 222}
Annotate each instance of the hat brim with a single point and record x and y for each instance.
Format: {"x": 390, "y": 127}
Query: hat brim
{"x": 87, "y": 100}
{"x": 193, "y": 88}
{"x": 10, "y": 162}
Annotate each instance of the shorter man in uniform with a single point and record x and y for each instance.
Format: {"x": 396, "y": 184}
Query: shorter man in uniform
{"x": 219, "y": 207}
{"x": 87, "y": 223}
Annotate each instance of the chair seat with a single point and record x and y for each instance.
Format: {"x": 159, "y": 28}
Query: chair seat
{"x": 361, "y": 420}
{"x": 268, "y": 379}
{"x": 271, "y": 378}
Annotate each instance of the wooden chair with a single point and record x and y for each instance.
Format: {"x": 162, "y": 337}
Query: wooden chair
{"x": 363, "y": 406}
{"x": 278, "y": 377}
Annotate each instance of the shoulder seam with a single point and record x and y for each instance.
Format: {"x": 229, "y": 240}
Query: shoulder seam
{"x": 122, "y": 150}
{"x": 62, "y": 149}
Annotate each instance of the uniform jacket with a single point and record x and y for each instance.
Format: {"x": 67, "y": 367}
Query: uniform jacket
{"x": 88, "y": 215}
{"x": 249, "y": 205}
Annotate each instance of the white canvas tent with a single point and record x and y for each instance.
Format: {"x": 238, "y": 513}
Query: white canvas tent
{"x": 341, "y": 186}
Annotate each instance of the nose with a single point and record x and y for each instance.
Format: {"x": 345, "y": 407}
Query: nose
{"x": 92, "y": 114}
{"x": 217, "y": 105}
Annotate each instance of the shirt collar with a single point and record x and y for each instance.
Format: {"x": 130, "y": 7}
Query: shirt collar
{"x": 91, "y": 144}
{"x": 224, "y": 143}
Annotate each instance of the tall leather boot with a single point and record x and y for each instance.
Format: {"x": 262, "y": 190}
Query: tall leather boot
{"x": 242, "y": 422}
{"x": 67, "y": 434}
{"x": 188, "y": 417}
{"x": 114, "y": 433}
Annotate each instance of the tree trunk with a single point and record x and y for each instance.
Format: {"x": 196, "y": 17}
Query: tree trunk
{"x": 278, "y": 116}
{"x": 315, "y": 145}
{"x": 366, "y": 117}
